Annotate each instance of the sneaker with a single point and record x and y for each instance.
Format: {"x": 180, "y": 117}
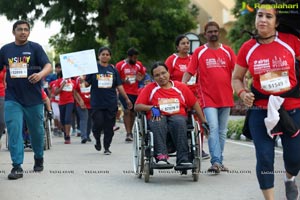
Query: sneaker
{"x": 89, "y": 139}
{"x": 162, "y": 159}
{"x": 205, "y": 155}
{"x": 67, "y": 140}
{"x": 73, "y": 132}
{"x": 291, "y": 190}
{"x": 38, "y": 165}
{"x": 16, "y": 173}
{"x": 116, "y": 128}
{"x": 129, "y": 137}
{"x": 98, "y": 145}
{"x": 224, "y": 169}
{"x": 107, "y": 152}
{"x": 215, "y": 168}
{"x": 83, "y": 141}
{"x": 60, "y": 133}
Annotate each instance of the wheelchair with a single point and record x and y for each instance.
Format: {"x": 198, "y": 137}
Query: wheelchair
{"x": 48, "y": 130}
{"x": 143, "y": 148}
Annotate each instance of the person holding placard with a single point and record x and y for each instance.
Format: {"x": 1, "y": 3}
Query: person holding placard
{"x": 104, "y": 99}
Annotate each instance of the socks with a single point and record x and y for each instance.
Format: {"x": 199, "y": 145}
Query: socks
{"x": 286, "y": 179}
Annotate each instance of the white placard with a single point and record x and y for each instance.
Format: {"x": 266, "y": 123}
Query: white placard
{"x": 78, "y": 63}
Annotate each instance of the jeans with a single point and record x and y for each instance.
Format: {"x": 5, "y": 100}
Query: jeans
{"x": 176, "y": 125}
{"x": 83, "y": 115}
{"x": 217, "y": 119}
{"x": 264, "y": 148}
{"x": 33, "y": 115}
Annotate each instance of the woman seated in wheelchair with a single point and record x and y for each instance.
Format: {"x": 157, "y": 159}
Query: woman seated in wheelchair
{"x": 166, "y": 103}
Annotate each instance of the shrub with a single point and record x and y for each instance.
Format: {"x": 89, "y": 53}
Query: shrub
{"x": 235, "y": 128}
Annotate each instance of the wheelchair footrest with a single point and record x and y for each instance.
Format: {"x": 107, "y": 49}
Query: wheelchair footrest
{"x": 160, "y": 166}
{"x": 184, "y": 167}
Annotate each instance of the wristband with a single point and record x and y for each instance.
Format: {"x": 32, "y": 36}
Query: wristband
{"x": 240, "y": 92}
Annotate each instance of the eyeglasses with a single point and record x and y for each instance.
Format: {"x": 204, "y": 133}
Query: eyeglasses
{"x": 22, "y": 29}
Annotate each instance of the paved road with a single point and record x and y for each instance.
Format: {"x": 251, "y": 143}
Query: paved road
{"x": 79, "y": 172}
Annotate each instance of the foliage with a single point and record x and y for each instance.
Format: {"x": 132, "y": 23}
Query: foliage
{"x": 245, "y": 21}
{"x": 235, "y": 128}
{"x": 148, "y": 25}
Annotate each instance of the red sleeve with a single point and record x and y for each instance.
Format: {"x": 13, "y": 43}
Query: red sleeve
{"x": 193, "y": 65}
{"x": 142, "y": 69}
{"x": 169, "y": 63}
{"x": 296, "y": 45}
{"x": 44, "y": 95}
{"x": 143, "y": 97}
{"x": 233, "y": 58}
{"x": 118, "y": 67}
{"x": 241, "y": 57}
{"x": 189, "y": 96}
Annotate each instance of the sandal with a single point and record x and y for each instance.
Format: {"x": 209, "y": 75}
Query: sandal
{"x": 215, "y": 168}
{"x": 224, "y": 169}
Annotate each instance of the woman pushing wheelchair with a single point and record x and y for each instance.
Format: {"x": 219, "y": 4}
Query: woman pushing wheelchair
{"x": 165, "y": 103}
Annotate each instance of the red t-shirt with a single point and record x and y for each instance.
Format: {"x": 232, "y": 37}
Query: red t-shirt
{"x": 52, "y": 86}
{"x": 177, "y": 66}
{"x": 170, "y": 101}
{"x": 66, "y": 94}
{"x": 129, "y": 72}
{"x": 84, "y": 93}
{"x": 2, "y": 80}
{"x": 272, "y": 66}
{"x": 214, "y": 68}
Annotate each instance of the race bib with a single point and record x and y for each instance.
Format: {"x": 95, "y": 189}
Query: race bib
{"x": 276, "y": 81}
{"x": 131, "y": 79}
{"x": 68, "y": 87}
{"x": 105, "y": 81}
{"x": 170, "y": 105}
{"x": 56, "y": 97}
{"x": 85, "y": 89}
{"x": 18, "y": 70}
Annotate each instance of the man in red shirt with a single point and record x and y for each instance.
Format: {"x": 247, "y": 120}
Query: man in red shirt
{"x": 214, "y": 63}
{"x": 131, "y": 71}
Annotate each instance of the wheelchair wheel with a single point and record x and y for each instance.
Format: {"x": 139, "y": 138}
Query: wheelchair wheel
{"x": 197, "y": 151}
{"x": 47, "y": 134}
{"x": 138, "y": 150}
{"x": 6, "y": 141}
{"x": 146, "y": 172}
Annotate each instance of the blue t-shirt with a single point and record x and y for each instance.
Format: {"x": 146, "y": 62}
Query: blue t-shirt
{"x": 33, "y": 58}
{"x": 103, "y": 88}
{"x": 51, "y": 77}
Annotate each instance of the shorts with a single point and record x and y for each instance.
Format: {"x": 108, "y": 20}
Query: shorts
{"x": 132, "y": 99}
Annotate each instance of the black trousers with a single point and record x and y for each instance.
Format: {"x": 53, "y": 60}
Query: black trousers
{"x": 104, "y": 120}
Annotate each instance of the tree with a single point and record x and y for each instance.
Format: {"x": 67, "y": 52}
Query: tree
{"x": 148, "y": 25}
{"x": 288, "y": 21}
{"x": 245, "y": 21}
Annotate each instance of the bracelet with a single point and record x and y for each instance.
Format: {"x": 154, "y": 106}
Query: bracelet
{"x": 240, "y": 92}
